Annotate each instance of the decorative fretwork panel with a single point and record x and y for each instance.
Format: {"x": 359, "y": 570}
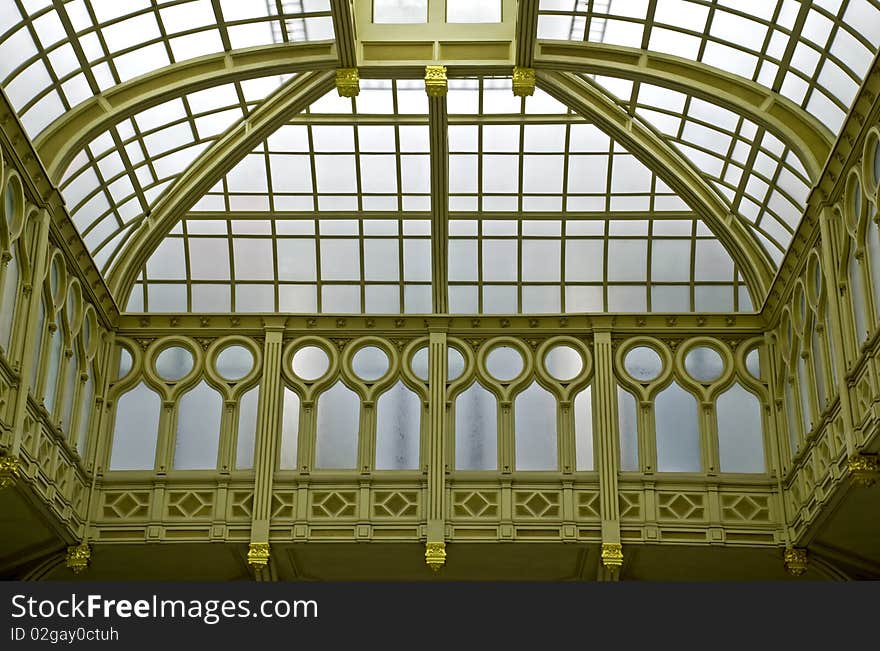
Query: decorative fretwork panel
{"x": 745, "y": 508}
{"x": 240, "y": 505}
{"x": 587, "y": 505}
{"x": 334, "y": 504}
{"x": 125, "y": 505}
{"x": 680, "y": 506}
{"x": 475, "y": 504}
{"x": 190, "y": 504}
{"x": 630, "y": 505}
{"x": 284, "y": 505}
{"x": 537, "y": 504}
{"x": 395, "y": 504}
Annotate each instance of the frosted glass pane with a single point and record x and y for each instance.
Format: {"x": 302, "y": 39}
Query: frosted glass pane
{"x": 135, "y": 430}
{"x": 704, "y": 364}
{"x": 7, "y": 309}
{"x": 398, "y": 416}
{"x": 310, "y": 363}
{"x": 793, "y": 437}
{"x": 338, "y": 426}
{"x": 535, "y": 429}
{"x": 857, "y": 296}
{"x": 247, "y": 429}
{"x": 370, "y": 363}
{"x": 563, "y": 363}
{"x": 753, "y": 363}
{"x": 52, "y": 370}
{"x": 873, "y": 237}
{"x": 198, "y": 429}
{"x": 818, "y": 355}
{"x": 125, "y": 362}
{"x": 476, "y": 430}
{"x": 234, "y": 362}
{"x": 877, "y": 163}
{"x": 174, "y": 363}
{"x": 468, "y": 11}
{"x": 400, "y": 11}
{"x": 643, "y": 363}
{"x": 454, "y": 364}
{"x": 806, "y": 390}
{"x": 504, "y": 363}
{"x": 678, "y": 431}
{"x": 583, "y": 429}
{"x": 71, "y": 380}
{"x": 87, "y": 405}
{"x": 627, "y": 422}
{"x": 740, "y": 434}
{"x": 38, "y": 347}
{"x": 289, "y": 430}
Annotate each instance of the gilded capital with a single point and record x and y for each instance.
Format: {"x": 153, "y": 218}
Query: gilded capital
{"x": 78, "y": 557}
{"x": 435, "y": 555}
{"x": 795, "y": 561}
{"x": 523, "y": 81}
{"x": 864, "y": 468}
{"x": 258, "y": 556}
{"x": 612, "y": 556}
{"x": 435, "y": 81}
{"x": 348, "y": 83}
{"x": 10, "y": 467}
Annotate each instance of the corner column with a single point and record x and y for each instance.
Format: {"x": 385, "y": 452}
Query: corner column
{"x": 435, "y": 546}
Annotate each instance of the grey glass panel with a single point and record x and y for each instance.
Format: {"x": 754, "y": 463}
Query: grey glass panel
{"x": 583, "y": 430}
{"x": 535, "y": 429}
{"x": 234, "y": 362}
{"x": 740, "y": 433}
{"x": 704, "y": 364}
{"x": 806, "y": 391}
{"x": 310, "y": 362}
{"x": 818, "y": 355}
{"x": 136, "y": 430}
{"x": 643, "y": 363}
{"x": 87, "y": 404}
{"x": 563, "y": 363}
{"x": 877, "y": 163}
{"x": 9, "y": 204}
{"x": 125, "y": 362}
{"x": 468, "y": 11}
{"x": 173, "y": 363}
{"x": 476, "y": 430}
{"x": 71, "y": 380}
{"x": 55, "y": 345}
{"x": 398, "y": 416}
{"x": 678, "y": 431}
{"x": 873, "y": 237}
{"x": 857, "y": 296}
{"x": 753, "y": 363}
{"x": 198, "y": 429}
{"x": 247, "y": 429}
{"x": 54, "y": 277}
{"x": 400, "y": 11}
{"x": 38, "y": 347}
{"x": 627, "y": 422}
{"x": 289, "y": 430}
{"x": 7, "y": 309}
{"x": 338, "y": 426}
{"x": 370, "y": 363}
{"x": 504, "y": 363}
{"x": 793, "y": 437}
{"x": 454, "y": 364}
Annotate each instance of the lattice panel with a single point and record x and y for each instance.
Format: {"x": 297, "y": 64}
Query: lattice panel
{"x": 334, "y": 504}
{"x": 587, "y": 505}
{"x": 630, "y": 505}
{"x": 125, "y": 505}
{"x": 241, "y": 505}
{"x": 284, "y": 505}
{"x": 395, "y": 504}
{"x": 681, "y": 506}
{"x": 745, "y": 508}
{"x": 474, "y": 504}
{"x": 537, "y": 504}
{"x": 190, "y": 504}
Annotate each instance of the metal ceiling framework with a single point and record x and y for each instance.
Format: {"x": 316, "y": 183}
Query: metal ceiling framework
{"x": 793, "y": 124}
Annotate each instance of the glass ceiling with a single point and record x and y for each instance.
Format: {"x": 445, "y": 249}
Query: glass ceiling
{"x": 332, "y": 212}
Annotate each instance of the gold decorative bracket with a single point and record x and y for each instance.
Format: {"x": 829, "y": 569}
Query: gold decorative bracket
{"x": 435, "y": 555}
{"x": 78, "y": 557}
{"x": 612, "y": 556}
{"x": 865, "y": 469}
{"x": 10, "y": 469}
{"x": 258, "y": 556}
{"x": 523, "y": 81}
{"x": 436, "y": 84}
{"x": 348, "y": 83}
{"x": 795, "y": 561}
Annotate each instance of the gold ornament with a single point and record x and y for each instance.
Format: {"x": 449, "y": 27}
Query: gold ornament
{"x": 435, "y": 555}
{"x": 435, "y": 81}
{"x": 795, "y": 561}
{"x": 864, "y": 469}
{"x": 258, "y": 556}
{"x": 348, "y": 82}
{"x": 523, "y": 81}
{"x": 78, "y": 557}
{"x": 612, "y": 556}
{"x": 10, "y": 467}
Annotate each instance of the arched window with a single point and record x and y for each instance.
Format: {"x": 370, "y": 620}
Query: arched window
{"x": 677, "y": 430}
{"x": 398, "y": 419}
{"x": 740, "y": 431}
{"x": 136, "y": 430}
{"x": 336, "y": 443}
{"x": 476, "y": 429}
{"x": 535, "y": 429}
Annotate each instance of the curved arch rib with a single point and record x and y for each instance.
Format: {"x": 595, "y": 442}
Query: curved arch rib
{"x": 63, "y": 139}
{"x": 809, "y": 138}
{"x": 678, "y": 173}
{"x": 210, "y": 167}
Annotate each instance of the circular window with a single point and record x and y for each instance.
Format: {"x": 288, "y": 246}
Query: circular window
{"x": 815, "y": 284}
{"x": 504, "y": 363}
{"x": 563, "y": 363}
{"x": 854, "y": 200}
{"x": 13, "y": 196}
{"x": 454, "y": 364}
{"x": 310, "y": 363}
{"x": 234, "y": 362}
{"x": 54, "y": 277}
{"x": 643, "y": 363}
{"x": 876, "y": 169}
{"x": 174, "y": 363}
{"x": 753, "y": 363}
{"x": 370, "y": 363}
{"x": 704, "y": 364}
{"x": 125, "y": 362}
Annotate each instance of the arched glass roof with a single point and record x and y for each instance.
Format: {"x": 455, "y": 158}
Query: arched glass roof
{"x": 335, "y": 208}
